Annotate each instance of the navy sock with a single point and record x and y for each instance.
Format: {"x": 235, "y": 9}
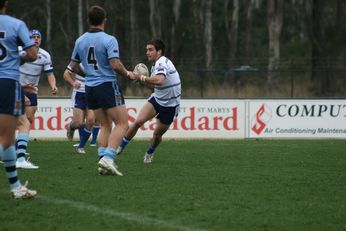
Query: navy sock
{"x": 85, "y": 136}
{"x": 150, "y": 149}
{"x": 95, "y": 132}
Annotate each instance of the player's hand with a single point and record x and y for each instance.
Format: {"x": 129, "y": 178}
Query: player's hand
{"x": 54, "y": 90}
{"x": 27, "y": 101}
{"x": 135, "y": 76}
{"x": 30, "y": 88}
{"x": 76, "y": 85}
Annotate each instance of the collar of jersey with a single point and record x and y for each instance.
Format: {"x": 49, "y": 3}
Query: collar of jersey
{"x": 94, "y": 30}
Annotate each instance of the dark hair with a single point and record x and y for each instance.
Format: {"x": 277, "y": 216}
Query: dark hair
{"x": 158, "y": 44}
{"x": 2, "y": 3}
{"x": 96, "y": 15}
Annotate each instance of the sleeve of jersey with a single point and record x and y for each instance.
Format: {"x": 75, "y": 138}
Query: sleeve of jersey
{"x": 75, "y": 56}
{"x": 161, "y": 69}
{"x": 112, "y": 48}
{"x": 48, "y": 65}
{"x": 24, "y": 36}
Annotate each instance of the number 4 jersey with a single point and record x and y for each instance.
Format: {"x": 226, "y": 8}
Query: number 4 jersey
{"x": 94, "y": 49}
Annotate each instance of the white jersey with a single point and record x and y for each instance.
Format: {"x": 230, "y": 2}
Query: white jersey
{"x": 168, "y": 94}
{"x": 30, "y": 72}
{"x": 80, "y": 80}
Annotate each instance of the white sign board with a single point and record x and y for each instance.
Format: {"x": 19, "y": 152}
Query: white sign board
{"x": 197, "y": 119}
{"x": 297, "y": 119}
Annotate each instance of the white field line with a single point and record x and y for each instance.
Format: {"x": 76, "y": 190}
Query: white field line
{"x": 114, "y": 213}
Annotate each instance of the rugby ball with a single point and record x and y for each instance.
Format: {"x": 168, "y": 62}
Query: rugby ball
{"x": 142, "y": 69}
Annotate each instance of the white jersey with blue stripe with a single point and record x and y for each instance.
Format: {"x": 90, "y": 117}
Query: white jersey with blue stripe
{"x": 80, "y": 80}
{"x": 168, "y": 94}
{"x": 94, "y": 49}
{"x": 13, "y": 33}
{"x": 30, "y": 72}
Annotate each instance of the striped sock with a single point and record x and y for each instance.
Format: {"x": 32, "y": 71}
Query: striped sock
{"x": 9, "y": 159}
{"x": 101, "y": 151}
{"x": 110, "y": 153}
{"x": 21, "y": 145}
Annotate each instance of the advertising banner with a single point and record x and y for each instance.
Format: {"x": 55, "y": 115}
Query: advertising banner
{"x": 297, "y": 119}
{"x": 196, "y": 119}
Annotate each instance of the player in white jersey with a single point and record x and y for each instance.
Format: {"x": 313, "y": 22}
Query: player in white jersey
{"x": 30, "y": 73}
{"x": 13, "y": 32}
{"x": 83, "y": 118}
{"x": 164, "y": 101}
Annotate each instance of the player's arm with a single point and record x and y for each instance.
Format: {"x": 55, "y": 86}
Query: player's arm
{"x": 52, "y": 82}
{"x": 118, "y": 66}
{"x": 153, "y": 80}
{"x": 30, "y": 55}
{"x": 71, "y": 79}
{"x": 74, "y": 67}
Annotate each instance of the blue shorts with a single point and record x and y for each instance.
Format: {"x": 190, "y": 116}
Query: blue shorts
{"x": 166, "y": 115}
{"x": 12, "y": 97}
{"x": 105, "y": 96}
{"x": 32, "y": 97}
{"x": 79, "y": 100}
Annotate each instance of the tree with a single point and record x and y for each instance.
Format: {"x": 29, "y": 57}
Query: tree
{"x": 206, "y": 19}
{"x": 155, "y": 18}
{"x": 275, "y": 21}
{"x": 49, "y": 24}
{"x": 231, "y": 24}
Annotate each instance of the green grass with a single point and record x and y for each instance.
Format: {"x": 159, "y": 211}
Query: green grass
{"x": 191, "y": 185}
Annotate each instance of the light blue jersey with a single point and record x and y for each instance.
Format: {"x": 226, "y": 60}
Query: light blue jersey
{"x": 13, "y": 33}
{"x": 94, "y": 49}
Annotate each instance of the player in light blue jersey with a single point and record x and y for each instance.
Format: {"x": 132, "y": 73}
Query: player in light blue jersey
{"x": 13, "y": 32}
{"x": 162, "y": 104}
{"x": 99, "y": 54}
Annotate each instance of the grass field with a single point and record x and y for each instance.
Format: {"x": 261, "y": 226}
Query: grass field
{"x": 191, "y": 185}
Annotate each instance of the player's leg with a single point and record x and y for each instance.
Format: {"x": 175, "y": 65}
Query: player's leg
{"x": 24, "y": 124}
{"x": 11, "y": 106}
{"x": 106, "y": 127}
{"x": 30, "y": 112}
{"x": 159, "y": 130}
{"x": 76, "y": 123}
{"x": 7, "y": 151}
{"x": 87, "y": 128}
{"x": 22, "y": 141}
{"x": 146, "y": 113}
{"x": 112, "y": 102}
{"x": 165, "y": 118}
{"x": 95, "y": 127}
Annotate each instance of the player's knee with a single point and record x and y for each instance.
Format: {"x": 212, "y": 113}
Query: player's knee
{"x": 139, "y": 123}
{"x": 30, "y": 119}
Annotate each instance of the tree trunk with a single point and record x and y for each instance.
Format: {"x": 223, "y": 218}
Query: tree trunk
{"x": 155, "y": 18}
{"x": 176, "y": 13}
{"x": 317, "y": 38}
{"x": 49, "y": 25}
{"x": 80, "y": 17}
{"x": 206, "y": 15}
{"x": 232, "y": 23}
{"x": 274, "y": 20}
{"x": 248, "y": 29}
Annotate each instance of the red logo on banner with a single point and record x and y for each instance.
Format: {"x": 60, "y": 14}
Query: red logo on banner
{"x": 261, "y": 119}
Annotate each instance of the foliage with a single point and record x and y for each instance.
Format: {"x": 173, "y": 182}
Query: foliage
{"x": 188, "y": 52}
